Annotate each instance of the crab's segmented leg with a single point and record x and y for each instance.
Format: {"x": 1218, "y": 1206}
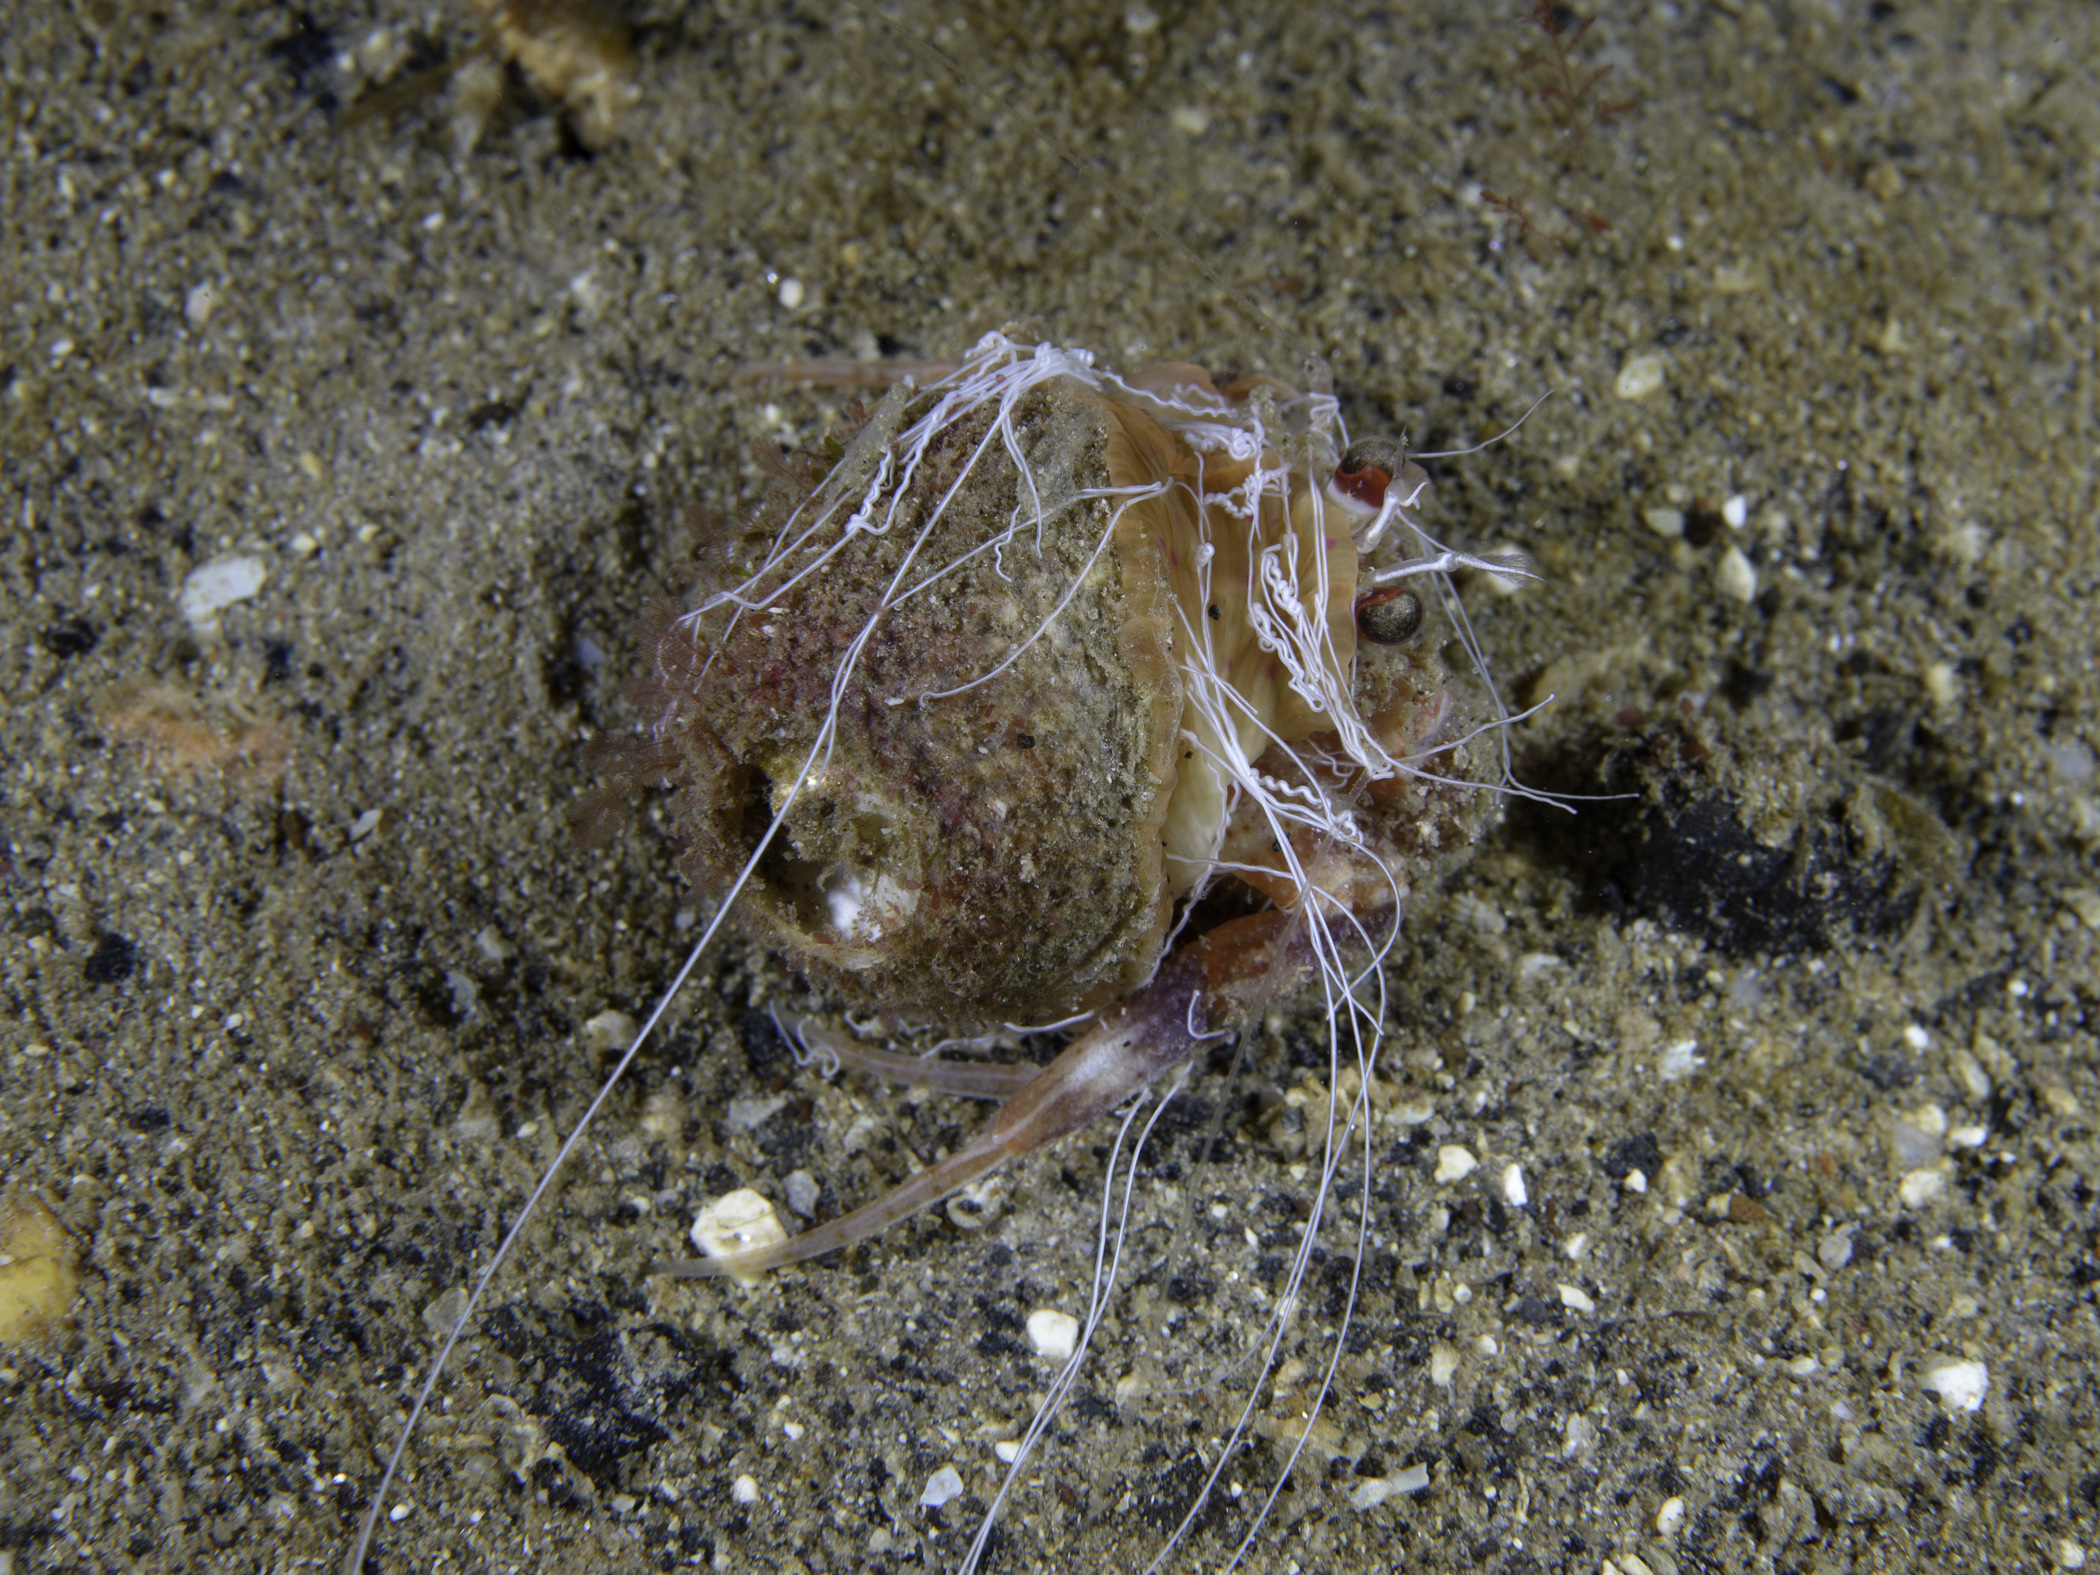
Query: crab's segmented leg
{"x": 1223, "y": 977}
{"x": 993, "y": 1080}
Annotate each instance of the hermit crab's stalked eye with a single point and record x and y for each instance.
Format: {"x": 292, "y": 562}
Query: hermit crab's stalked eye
{"x": 1368, "y": 469}
{"x": 1392, "y": 616}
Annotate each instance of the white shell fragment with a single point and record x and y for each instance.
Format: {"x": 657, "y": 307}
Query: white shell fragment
{"x": 1054, "y": 1334}
{"x": 1961, "y": 1386}
{"x": 945, "y": 1486}
{"x": 215, "y": 585}
{"x": 1514, "y": 1192}
{"x": 1373, "y": 1491}
{"x": 737, "y": 1222}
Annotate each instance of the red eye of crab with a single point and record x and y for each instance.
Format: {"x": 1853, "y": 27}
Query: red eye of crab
{"x": 1391, "y": 616}
{"x": 1367, "y": 469}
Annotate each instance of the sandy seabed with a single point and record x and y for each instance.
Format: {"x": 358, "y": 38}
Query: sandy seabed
{"x": 1791, "y": 1047}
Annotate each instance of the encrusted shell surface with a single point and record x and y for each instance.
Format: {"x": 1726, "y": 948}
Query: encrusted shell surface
{"x": 1016, "y": 680}
{"x": 989, "y": 856}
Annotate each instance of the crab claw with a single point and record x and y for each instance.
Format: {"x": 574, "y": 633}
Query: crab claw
{"x": 1221, "y": 979}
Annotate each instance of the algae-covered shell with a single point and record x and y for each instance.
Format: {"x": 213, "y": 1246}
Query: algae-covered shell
{"x": 993, "y": 677}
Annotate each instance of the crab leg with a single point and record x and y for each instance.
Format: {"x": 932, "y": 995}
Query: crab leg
{"x": 1223, "y": 977}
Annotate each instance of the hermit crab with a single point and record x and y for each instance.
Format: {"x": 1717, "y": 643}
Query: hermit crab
{"x": 1073, "y": 700}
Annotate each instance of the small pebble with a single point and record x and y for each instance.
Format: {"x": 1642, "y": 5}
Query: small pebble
{"x": 1054, "y": 1334}
{"x": 945, "y": 1486}
{"x": 1575, "y": 1299}
{"x": 1669, "y": 1519}
{"x": 1454, "y": 1163}
{"x": 791, "y": 293}
{"x": 1514, "y": 1192}
{"x": 1665, "y": 522}
{"x": 1443, "y": 1362}
{"x": 1961, "y": 1386}
{"x": 1679, "y": 1060}
{"x": 737, "y": 1222}
{"x": 215, "y": 585}
{"x": 1641, "y": 376}
{"x": 1735, "y": 513}
{"x": 1734, "y": 577}
{"x": 745, "y": 1489}
{"x": 609, "y": 1031}
{"x": 1834, "y": 1251}
{"x": 1942, "y": 687}
{"x": 1373, "y": 1491}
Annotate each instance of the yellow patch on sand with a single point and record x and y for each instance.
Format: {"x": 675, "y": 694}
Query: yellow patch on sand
{"x": 39, "y": 1274}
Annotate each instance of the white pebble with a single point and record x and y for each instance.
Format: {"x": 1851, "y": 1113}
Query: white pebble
{"x": 1008, "y": 1450}
{"x": 1665, "y": 522}
{"x": 1514, "y": 1192}
{"x": 791, "y": 293}
{"x": 1736, "y": 512}
{"x": 1734, "y": 577}
{"x": 1575, "y": 1299}
{"x": 1942, "y": 687}
{"x": 803, "y": 1192}
{"x": 1835, "y": 1249}
{"x": 2069, "y": 1555}
{"x": 609, "y": 1031}
{"x": 1961, "y": 1386}
{"x": 1920, "y": 1187}
{"x": 366, "y": 824}
{"x": 1681, "y": 1059}
{"x": 1641, "y": 376}
{"x": 945, "y": 1486}
{"x": 1054, "y": 1334}
{"x": 745, "y": 1489}
{"x": 1454, "y": 1163}
{"x": 216, "y": 585}
{"x": 1669, "y": 1520}
{"x": 199, "y": 304}
{"x": 1443, "y": 1362}
{"x": 740, "y": 1221}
